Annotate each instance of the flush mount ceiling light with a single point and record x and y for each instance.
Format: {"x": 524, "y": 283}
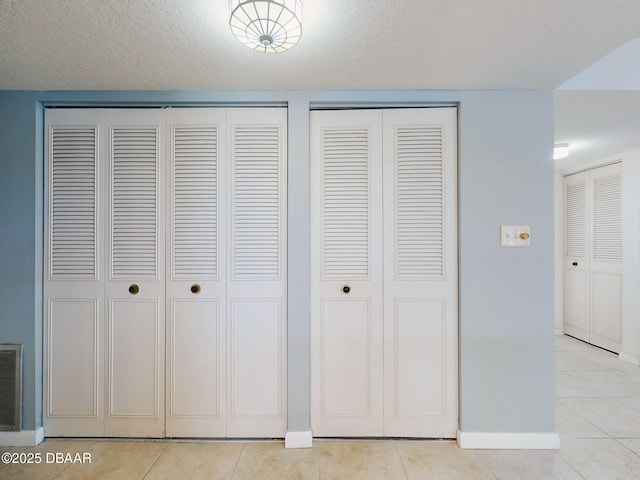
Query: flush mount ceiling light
{"x": 560, "y": 150}
{"x": 268, "y": 26}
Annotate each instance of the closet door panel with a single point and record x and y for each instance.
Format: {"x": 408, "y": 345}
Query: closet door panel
{"x": 135, "y": 288}
{"x": 606, "y": 310}
{"x": 346, "y": 273}
{"x": 576, "y": 256}
{"x": 593, "y": 256}
{"x": 256, "y": 350}
{"x": 155, "y": 218}
{"x": 606, "y": 257}
{"x": 74, "y": 274}
{"x": 134, "y": 359}
{"x": 420, "y": 282}
{"x": 196, "y": 305}
{"x": 195, "y": 365}
{"x": 346, "y": 379}
{"x": 256, "y": 272}
{"x": 74, "y": 367}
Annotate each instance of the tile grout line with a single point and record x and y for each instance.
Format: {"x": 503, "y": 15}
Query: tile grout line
{"x": 156, "y": 461}
{"x": 84, "y": 450}
{"x": 404, "y": 467}
{"x": 585, "y": 419}
{"x": 617, "y": 440}
{"x": 235, "y": 467}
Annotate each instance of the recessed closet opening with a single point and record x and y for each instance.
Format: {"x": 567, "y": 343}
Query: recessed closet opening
{"x": 165, "y": 272}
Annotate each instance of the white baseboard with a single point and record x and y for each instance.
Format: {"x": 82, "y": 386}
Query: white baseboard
{"x": 509, "y": 441}
{"x": 628, "y": 358}
{"x": 559, "y": 332}
{"x": 23, "y": 438}
{"x": 298, "y": 439}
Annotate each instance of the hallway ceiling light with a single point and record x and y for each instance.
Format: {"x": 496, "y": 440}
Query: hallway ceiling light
{"x": 268, "y": 26}
{"x": 560, "y": 150}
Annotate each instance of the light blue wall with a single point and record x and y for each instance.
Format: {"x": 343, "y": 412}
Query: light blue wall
{"x": 20, "y": 241}
{"x": 506, "y": 295}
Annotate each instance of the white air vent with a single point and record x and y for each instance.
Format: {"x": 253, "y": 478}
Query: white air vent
{"x": 10, "y": 387}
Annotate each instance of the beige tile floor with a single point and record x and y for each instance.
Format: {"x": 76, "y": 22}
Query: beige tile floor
{"x": 597, "y": 416}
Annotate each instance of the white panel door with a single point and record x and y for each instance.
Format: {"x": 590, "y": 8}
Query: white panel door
{"x": 576, "y": 255}
{"x": 606, "y": 257}
{"x": 593, "y": 256}
{"x": 420, "y": 280}
{"x": 136, "y": 278}
{"x": 204, "y": 192}
{"x": 74, "y": 275}
{"x": 196, "y": 307}
{"x": 256, "y": 272}
{"x": 346, "y": 273}
{"x": 384, "y": 346}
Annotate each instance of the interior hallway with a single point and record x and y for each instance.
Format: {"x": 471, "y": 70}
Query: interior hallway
{"x": 597, "y": 417}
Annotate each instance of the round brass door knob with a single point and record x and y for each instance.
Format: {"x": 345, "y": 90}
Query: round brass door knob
{"x": 195, "y": 288}
{"x": 346, "y": 289}
{"x": 134, "y": 289}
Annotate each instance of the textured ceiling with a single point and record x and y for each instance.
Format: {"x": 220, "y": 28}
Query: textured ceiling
{"x": 346, "y": 44}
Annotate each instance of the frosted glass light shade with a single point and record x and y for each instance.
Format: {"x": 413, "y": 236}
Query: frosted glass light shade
{"x": 268, "y": 26}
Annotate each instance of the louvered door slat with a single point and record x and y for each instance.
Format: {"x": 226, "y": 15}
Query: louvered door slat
{"x": 345, "y": 203}
{"x": 195, "y": 202}
{"x": 575, "y": 230}
{"x": 134, "y": 198}
{"x": 419, "y": 202}
{"x": 607, "y": 219}
{"x": 72, "y": 191}
{"x": 256, "y": 202}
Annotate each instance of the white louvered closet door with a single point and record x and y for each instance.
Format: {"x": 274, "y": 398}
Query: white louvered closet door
{"x": 346, "y": 273}
{"x": 593, "y": 256}
{"x": 256, "y": 272}
{"x": 420, "y": 273}
{"x": 606, "y": 257}
{"x": 74, "y": 275}
{"x": 135, "y": 286}
{"x": 196, "y": 306}
{"x": 576, "y": 255}
{"x": 384, "y": 273}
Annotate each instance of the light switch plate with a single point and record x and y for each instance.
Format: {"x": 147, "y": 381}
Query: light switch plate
{"x": 515, "y": 236}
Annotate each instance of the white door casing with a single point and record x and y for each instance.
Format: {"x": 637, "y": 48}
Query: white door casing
{"x": 384, "y": 355}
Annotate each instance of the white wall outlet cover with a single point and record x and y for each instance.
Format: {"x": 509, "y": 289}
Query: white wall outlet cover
{"x": 515, "y": 236}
